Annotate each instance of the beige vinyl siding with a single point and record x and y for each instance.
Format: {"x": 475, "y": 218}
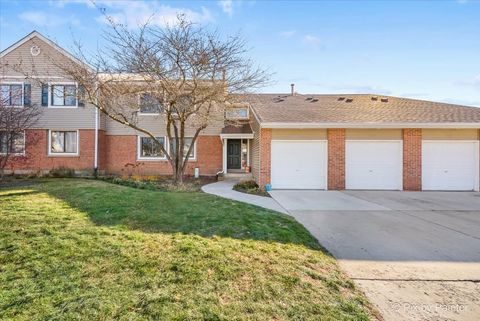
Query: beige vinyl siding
{"x": 156, "y": 125}
{"x": 255, "y": 147}
{"x": 299, "y": 134}
{"x": 373, "y": 134}
{"x": 450, "y": 134}
{"x": 40, "y": 69}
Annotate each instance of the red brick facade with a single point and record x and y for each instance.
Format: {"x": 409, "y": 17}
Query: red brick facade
{"x": 412, "y": 159}
{"x": 265, "y": 156}
{"x": 336, "y": 158}
{"x": 37, "y": 159}
{"x": 121, "y": 157}
{"x": 117, "y": 155}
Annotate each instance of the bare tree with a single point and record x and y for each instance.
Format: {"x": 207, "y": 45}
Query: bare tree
{"x": 185, "y": 72}
{"x": 17, "y": 115}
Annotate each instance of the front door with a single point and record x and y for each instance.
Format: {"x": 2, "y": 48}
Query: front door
{"x": 234, "y": 154}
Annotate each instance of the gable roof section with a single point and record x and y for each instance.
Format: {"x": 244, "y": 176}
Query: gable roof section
{"x": 358, "y": 111}
{"x": 37, "y": 34}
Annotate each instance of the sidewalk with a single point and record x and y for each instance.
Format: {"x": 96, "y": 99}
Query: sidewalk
{"x": 224, "y": 189}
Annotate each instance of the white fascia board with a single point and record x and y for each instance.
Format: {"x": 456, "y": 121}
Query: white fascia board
{"x": 367, "y": 125}
{"x": 237, "y": 136}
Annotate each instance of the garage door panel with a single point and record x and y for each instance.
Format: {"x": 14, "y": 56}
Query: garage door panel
{"x": 298, "y": 164}
{"x": 449, "y": 165}
{"x": 373, "y": 165}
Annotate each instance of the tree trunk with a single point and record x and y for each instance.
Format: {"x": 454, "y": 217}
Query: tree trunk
{"x": 178, "y": 175}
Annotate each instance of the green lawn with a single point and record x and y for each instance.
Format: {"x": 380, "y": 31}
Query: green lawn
{"x": 75, "y": 249}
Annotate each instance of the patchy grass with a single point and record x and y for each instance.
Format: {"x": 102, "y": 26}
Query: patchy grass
{"x": 90, "y": 250}
{"x": 250, "y": 187}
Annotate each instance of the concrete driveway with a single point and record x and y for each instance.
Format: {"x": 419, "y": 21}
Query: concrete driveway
{"x": 415, "y": 254}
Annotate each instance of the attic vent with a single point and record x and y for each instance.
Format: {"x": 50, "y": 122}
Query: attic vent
{"x": 384, "y": 100}
{"x": 309, "y": 98}
{"x": 341, "y": 98}
{"x": 374, "y": 98}
{"x": 314, "y": 100}
{"x": 278, "y": 100}
{"x": 349, "y": 100}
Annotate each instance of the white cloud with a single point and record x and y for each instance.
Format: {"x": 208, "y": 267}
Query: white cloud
{"x": 43, "y": 19}
{"x": 134, "y": 13}
{"x": 227, "y": 6}
{"x": 311, "y": 40}
{"x": 288, "y": 34}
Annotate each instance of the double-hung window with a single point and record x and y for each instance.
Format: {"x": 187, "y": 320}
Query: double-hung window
{"x": 11, "y": 95}
{"x": 12, "y": 143}
{"x": 149, "y": 148}
{"x": 236, "y": 113}
{"x": 63, "y": 95}
{"x": 186, "y": 145}
{"x": 63, "y": 142}
{"x": 149, "y": 104}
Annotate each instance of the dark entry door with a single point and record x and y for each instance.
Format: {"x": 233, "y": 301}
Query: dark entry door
{"x": 234, "y": 154}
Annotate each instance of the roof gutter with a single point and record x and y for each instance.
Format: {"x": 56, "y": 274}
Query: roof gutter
{"x": 275, "y": 125}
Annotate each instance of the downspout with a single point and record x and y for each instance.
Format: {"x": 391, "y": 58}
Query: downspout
{"x": 95, "y": 158}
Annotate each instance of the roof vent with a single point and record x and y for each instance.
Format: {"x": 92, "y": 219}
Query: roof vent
{"x": 374, "y": 98}
{"x": 341, "y": 98}
{"x": 278, "y": 100}
{"x": 314, "y": 100}
{"x": 348, "y": 100}
{"x": 309, "y": 98}
{"x": 384, "y": 100}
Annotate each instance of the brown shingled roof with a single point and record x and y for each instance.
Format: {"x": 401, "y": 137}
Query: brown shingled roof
{"x": 374, "y": 109}
{"x": 240, "y": 129}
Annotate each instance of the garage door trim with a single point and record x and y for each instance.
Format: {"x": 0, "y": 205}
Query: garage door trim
{"x": 477, "y": 155}
{"x": 325, "y": 141}
{"x": 379, "y": 140}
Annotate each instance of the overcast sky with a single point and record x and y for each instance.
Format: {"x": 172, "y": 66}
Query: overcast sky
{"x": 426, "y": 50}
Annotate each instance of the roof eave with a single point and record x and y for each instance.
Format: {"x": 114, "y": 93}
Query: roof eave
{"x": 302, "y": 125}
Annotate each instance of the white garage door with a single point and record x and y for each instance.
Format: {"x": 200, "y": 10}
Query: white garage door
{"x": 299, "y": 164}
{"x": 449, "y": 165}
{"x": 373, "y": 165}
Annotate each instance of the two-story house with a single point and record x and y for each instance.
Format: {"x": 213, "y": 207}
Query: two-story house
{"x": 291, "y": 141}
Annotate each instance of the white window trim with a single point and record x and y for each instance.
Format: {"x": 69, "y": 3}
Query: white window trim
{"x": 66, "y": 83}
{"x": 143, "y": 158}
{"x": 140, "y": 110}
{"x": 24, "y": 147}
{"x": 63, "y": 154}
{"x": 23, "y": 92}
{"x": 239, "y": 118}
{"x": 192, "y": 159}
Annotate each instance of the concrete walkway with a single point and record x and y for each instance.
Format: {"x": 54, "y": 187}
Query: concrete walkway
{"x": 225, "y": 189}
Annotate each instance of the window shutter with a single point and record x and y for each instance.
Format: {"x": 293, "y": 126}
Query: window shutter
{"x": 44, "y": 95}
{"x": 27, "y": 95}
{"x": 81, "y": 96}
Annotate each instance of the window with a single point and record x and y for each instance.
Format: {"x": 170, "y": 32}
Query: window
{"x": 150, "y": 104}
{"x": 12, "y": 143}
{"x": 12, "y": 95}
{"x": 63, "y": 95}
{"x": 236, "y": 113}
{"x": 149, "y": 148}
{"x": 64, "y": 142}
{"x": 186, "y": 146}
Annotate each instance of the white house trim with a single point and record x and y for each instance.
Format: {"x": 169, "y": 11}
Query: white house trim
{"x": 306, "y": 125}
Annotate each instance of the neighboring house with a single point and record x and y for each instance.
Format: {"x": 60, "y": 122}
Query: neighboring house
{"x": 291, "y": 141}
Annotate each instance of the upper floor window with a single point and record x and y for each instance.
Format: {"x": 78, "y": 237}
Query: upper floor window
{"x": 236, "y": 113}
{"x": 63, "y": 95}
{"x": 11, "y": 95}
{"x": 12, "y": 143}
{"x": 149, "y": 104}
{"x": 63, "y": 142}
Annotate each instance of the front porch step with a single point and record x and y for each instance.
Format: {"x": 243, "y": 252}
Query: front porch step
{"x": 238, "y": 176}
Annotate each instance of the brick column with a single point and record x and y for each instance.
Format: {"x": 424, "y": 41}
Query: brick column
{"x": 265, "y": 156}
{"x": 412, "y": 159}
{"x": 336, "y": 158}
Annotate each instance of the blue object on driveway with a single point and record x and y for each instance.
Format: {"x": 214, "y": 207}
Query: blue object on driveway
{"x": 268, "y": 187}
